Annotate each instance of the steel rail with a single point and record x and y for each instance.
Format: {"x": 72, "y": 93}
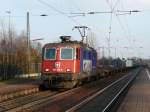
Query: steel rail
{"x": 13, "y": 103}
{"x": 38, "y": 102}
{"x": 10, "y": 101}
{"x": 107, "y": 108}
{"x": 76, "y": 107}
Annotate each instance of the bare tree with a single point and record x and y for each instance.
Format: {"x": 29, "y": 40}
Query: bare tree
{"x": 13, "y": 53}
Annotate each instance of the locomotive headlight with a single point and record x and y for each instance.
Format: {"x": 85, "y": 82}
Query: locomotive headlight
{"x": 46, "y": 69}
{"x": 68, "y": 70}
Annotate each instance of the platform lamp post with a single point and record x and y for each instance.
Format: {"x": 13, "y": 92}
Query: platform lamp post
{"x": 28, "y": 42}
{"x": 7, "y": 57}
{"x": 9, "y": 15}
{"x": 37, "y": 64}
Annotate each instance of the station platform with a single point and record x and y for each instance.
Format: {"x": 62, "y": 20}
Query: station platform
{"x": 138, "y": 96}
{"x": 18, "y": 87}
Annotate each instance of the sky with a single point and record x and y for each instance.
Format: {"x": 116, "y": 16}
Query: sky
{"x": 130, "y": 33}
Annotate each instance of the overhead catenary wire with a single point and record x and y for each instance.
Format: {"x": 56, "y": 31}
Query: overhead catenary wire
{"x": 31, "y": 15}
{"x": 107, "y": 1}
{"x": 58, "y": 11}
{"x": 112, "y": 7}
{"x": 110, "y": 27}
{"x": 145, "y": 10}
{"x": 127, "y": 26}
{"x": 132, "y": 43}
{"x": 110, "y": 4}
{"x": 115, "y": 5}
{"x": 127, "y": 32}
{"x": 123, "y": 28}
{"x": 50, "y": 6}
{"x": 81, "y": 13}
{"x": 113, "y": 11}
{"x": 75, "y": 5}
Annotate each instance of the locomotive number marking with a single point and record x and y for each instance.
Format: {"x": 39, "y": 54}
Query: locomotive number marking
{"x": 57, "y": 70}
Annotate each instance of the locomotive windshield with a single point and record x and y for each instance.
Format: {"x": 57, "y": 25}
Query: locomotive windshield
{"x": 66, "y": 53}
{"x": 50, "y": 53}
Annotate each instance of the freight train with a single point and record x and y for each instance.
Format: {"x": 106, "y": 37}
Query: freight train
{"x": 67, "y": 64}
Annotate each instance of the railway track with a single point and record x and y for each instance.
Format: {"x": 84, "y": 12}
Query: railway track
{"x": 20, "y": 101}
{"x": 106, "y": 99}
{"x": 70, "y": 100}
{"x": 72, "y": 103}
{"x": 63, "y": 102}
{"x": 30, "y": 101}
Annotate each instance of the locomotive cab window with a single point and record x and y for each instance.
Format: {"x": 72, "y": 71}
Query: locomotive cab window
{"x": 66, "y": 53}
{"x": 50, "y": 53}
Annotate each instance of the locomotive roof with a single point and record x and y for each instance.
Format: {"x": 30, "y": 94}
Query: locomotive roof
{"x": 70, "y": 43}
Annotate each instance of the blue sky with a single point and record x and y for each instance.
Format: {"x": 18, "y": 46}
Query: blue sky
{"x": 132, "y": 31}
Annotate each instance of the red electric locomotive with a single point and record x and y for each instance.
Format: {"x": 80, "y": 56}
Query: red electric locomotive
{"x": 68, "y": 63}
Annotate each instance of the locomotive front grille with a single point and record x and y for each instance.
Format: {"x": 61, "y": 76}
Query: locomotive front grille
{"x": 58, "y": 77}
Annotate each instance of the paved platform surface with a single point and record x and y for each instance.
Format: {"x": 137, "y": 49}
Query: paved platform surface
{"x": 18, "y": 87}
{"x": 138, "y": 96}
